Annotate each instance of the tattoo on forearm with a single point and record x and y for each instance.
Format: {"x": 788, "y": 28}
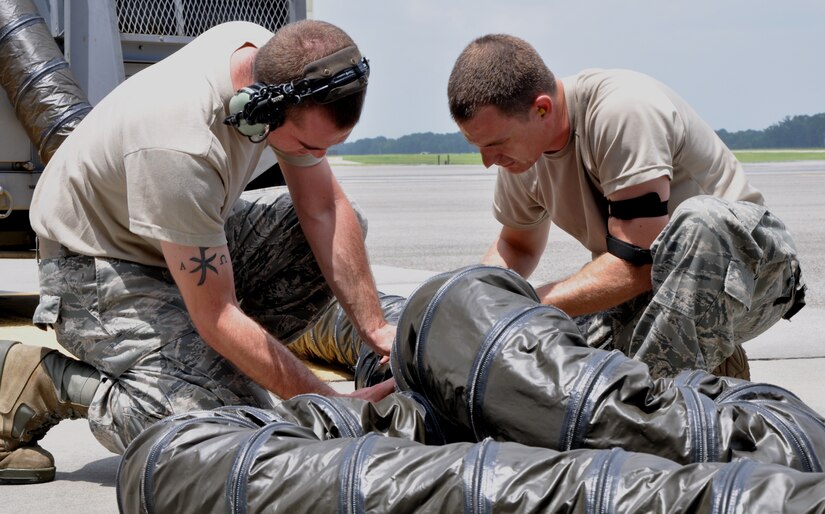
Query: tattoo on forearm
{"x": 204, "y": 264}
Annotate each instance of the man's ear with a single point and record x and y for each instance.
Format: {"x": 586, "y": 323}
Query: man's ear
{"x": 543, "y": 105}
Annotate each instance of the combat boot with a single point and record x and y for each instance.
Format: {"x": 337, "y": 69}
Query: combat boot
{"x": 39, "y": 387}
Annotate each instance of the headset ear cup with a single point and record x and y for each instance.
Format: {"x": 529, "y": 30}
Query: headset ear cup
{"x": 256, "y": 130}
{"x": 236, "y": 105}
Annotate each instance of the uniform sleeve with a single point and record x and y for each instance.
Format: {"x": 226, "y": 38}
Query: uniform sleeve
{"x": 635, "y": 133}
{"x": 514, "y": 200}
{"x": 175, "y": 197}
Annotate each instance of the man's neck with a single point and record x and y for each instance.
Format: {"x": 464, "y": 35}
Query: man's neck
{"x": 561, "y": 121}
{"x": 240, "y": 66}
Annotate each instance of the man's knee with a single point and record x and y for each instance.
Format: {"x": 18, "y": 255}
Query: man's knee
{"x": 699, "y": 217}
{"x": 693, "y": 232}
{"x": 715, "y": 227}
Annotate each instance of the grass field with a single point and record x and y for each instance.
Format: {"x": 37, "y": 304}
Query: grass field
{"x": 428, "y": 158}
{"x": 809, "y": 154}
{"x": 747, "y": 156}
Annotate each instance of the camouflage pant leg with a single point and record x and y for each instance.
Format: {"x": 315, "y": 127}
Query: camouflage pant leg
{"x": 278, "y": 281}
{"x": 723, "y": 272}
{"x": 160, "y": 385}
{"x": 612, "y": 329}
{"x": 129, "y": 321}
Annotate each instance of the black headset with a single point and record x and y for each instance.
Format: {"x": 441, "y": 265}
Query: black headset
{"x": 258, "y": 109}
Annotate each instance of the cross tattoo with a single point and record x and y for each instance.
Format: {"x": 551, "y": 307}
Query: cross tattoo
{"x": 204, "y": 263}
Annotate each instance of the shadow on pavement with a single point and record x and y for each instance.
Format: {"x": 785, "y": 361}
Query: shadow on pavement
{"x": 102, "y": 472}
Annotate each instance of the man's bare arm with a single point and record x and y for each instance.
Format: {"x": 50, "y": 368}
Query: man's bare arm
{"x": 519, "y": 250}
{"x": 608, "y": 281}
{"x": 204, "y": 277}
{"x": 601, "y": 284}
{"x": 334, "y": 234}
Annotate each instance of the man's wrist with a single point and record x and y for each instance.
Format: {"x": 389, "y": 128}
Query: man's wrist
{"x": 381, "y": 338}
{"x": 373, "y": 333}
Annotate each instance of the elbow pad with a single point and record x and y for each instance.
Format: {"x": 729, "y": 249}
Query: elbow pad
{"x": 635, "y": 255}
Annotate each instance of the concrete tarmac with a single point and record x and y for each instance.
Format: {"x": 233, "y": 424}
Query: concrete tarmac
{"x": 425, "y": 220}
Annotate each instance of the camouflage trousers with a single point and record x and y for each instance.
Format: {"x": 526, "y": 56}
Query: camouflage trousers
{"x": 723, "y": 272}
{"x": 129, "y": 320}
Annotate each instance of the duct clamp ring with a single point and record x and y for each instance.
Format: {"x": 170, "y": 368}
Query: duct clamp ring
{"x": 4, "y": 192}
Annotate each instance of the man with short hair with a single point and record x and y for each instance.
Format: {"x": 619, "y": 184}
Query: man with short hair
{"x": 687, "y": 264}
{"x": 174, "y": 291}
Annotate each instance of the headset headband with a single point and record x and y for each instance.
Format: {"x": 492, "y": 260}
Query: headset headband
{"x": 335, "y": 76}
{"x": 259, "y": 108}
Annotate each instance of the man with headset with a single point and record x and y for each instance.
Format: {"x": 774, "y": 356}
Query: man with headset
{"x": 687, "y": 262}
{"x": 174, "y": 291}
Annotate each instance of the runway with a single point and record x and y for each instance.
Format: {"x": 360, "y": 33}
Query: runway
{"x": 440, "y": 217}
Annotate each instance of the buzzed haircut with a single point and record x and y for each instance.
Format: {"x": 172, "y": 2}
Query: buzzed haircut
{"x": 283, "y": 59}
{"x": 499, "y": 70}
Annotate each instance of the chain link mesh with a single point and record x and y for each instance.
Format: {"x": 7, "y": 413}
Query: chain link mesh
{"x": 192, "y": 17}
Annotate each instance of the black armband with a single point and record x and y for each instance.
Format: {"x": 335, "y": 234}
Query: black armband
{"x": 635, "y": 255}
{"x": 649, "y": 205}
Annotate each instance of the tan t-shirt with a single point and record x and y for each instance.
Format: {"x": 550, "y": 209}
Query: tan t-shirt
{"x": 153, "y": 161}
{"x": 626, "y": 129}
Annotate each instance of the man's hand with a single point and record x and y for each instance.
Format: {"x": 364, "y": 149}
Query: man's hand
{"x": 375, "y": 393}
{"x": 381, "y": 340}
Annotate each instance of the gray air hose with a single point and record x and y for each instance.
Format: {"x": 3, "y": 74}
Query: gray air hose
{"x": 339, "y": 455}
{"x": 494, "y": 362}
{"x": 334, "y": 340}
{"x": 46, "y": 98}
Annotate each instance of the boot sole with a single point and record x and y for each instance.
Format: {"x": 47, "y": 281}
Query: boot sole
{"x": 26, "y": 476}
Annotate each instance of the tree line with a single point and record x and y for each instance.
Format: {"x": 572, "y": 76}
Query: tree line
{"x": 426, "y": 142}
{"x": 802, "y": 131}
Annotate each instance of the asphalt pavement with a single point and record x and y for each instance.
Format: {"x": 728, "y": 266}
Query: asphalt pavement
{"x": 425, "y": 220}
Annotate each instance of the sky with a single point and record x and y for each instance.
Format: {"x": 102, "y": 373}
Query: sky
{"x": 742, "y": 64}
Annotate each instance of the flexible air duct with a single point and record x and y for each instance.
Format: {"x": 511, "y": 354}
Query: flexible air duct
{"x": 494, "y": 362}
{"x": 46, "y": 98}
{"x": 241, "y": 460}
{"x": 334, "y": 340}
